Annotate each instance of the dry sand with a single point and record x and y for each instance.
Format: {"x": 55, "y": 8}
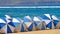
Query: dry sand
{"x": 54, "y": 31}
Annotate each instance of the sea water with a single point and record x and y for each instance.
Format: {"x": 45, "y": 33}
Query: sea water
{"x": 21, "y": 12}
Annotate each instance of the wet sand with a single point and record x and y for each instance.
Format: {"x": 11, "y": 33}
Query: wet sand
{"x": 54, "y": 31}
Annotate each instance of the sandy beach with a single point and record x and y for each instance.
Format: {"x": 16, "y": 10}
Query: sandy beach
{"x": 54, "y": 31}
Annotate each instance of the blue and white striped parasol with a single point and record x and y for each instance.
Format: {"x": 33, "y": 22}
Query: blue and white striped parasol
{"x": 3, "y": 27}
{"x": 56, "y": 21}
{"x": 10, "y": 24}
{"x": 47, "y": 18}
{"x": 29, "y": 23}
{"x": 21, "y": 27}
{"x": 38, "y": 22}
{"x": 16, "y": 23}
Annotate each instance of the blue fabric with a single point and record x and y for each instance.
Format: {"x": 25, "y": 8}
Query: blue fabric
{"x": 37, "y": 22}
{"x": 22, "y": 28}
{"x": 4, "y": 18}
{"x": 56, "y": 22}
{"x": 12, "y": 24}
{"x": 43, "y": 26}
{"x": 45, "y": 17}
{"x": 8, "y": 29}
{"x": 38, "y": 17}
{"x": 18, "y": 19}
{"x": 16, "y": 24}
{"x": 2, "y": 25}
{"x": 49, "y": 25}
{"x": 34, "y": 24}
{"x": 26, "y": 20}
{"x": 30, "y": 27}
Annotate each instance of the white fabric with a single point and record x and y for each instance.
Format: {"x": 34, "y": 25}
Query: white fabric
{"x": 15, "y": 20}
{"x": 2, "y": 21}
{"x": 36, "y": 19}
{"x": 54, "y": 17}
{"x": 48, "y": 15}
{"x": 12, "y": 28}
{"x": 28, "y": 24}
{"x": 28, "y": 17}
{"x": 47, "y": 21}
{"x": 8, "y": 17}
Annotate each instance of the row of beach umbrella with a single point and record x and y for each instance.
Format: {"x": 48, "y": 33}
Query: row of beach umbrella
{"x": 10, "y": 25}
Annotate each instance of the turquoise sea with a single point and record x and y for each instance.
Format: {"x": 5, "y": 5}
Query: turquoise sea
{"x": 21, "y": 12}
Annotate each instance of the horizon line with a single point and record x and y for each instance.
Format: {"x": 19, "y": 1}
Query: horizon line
{"x": 33, "y": 7}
